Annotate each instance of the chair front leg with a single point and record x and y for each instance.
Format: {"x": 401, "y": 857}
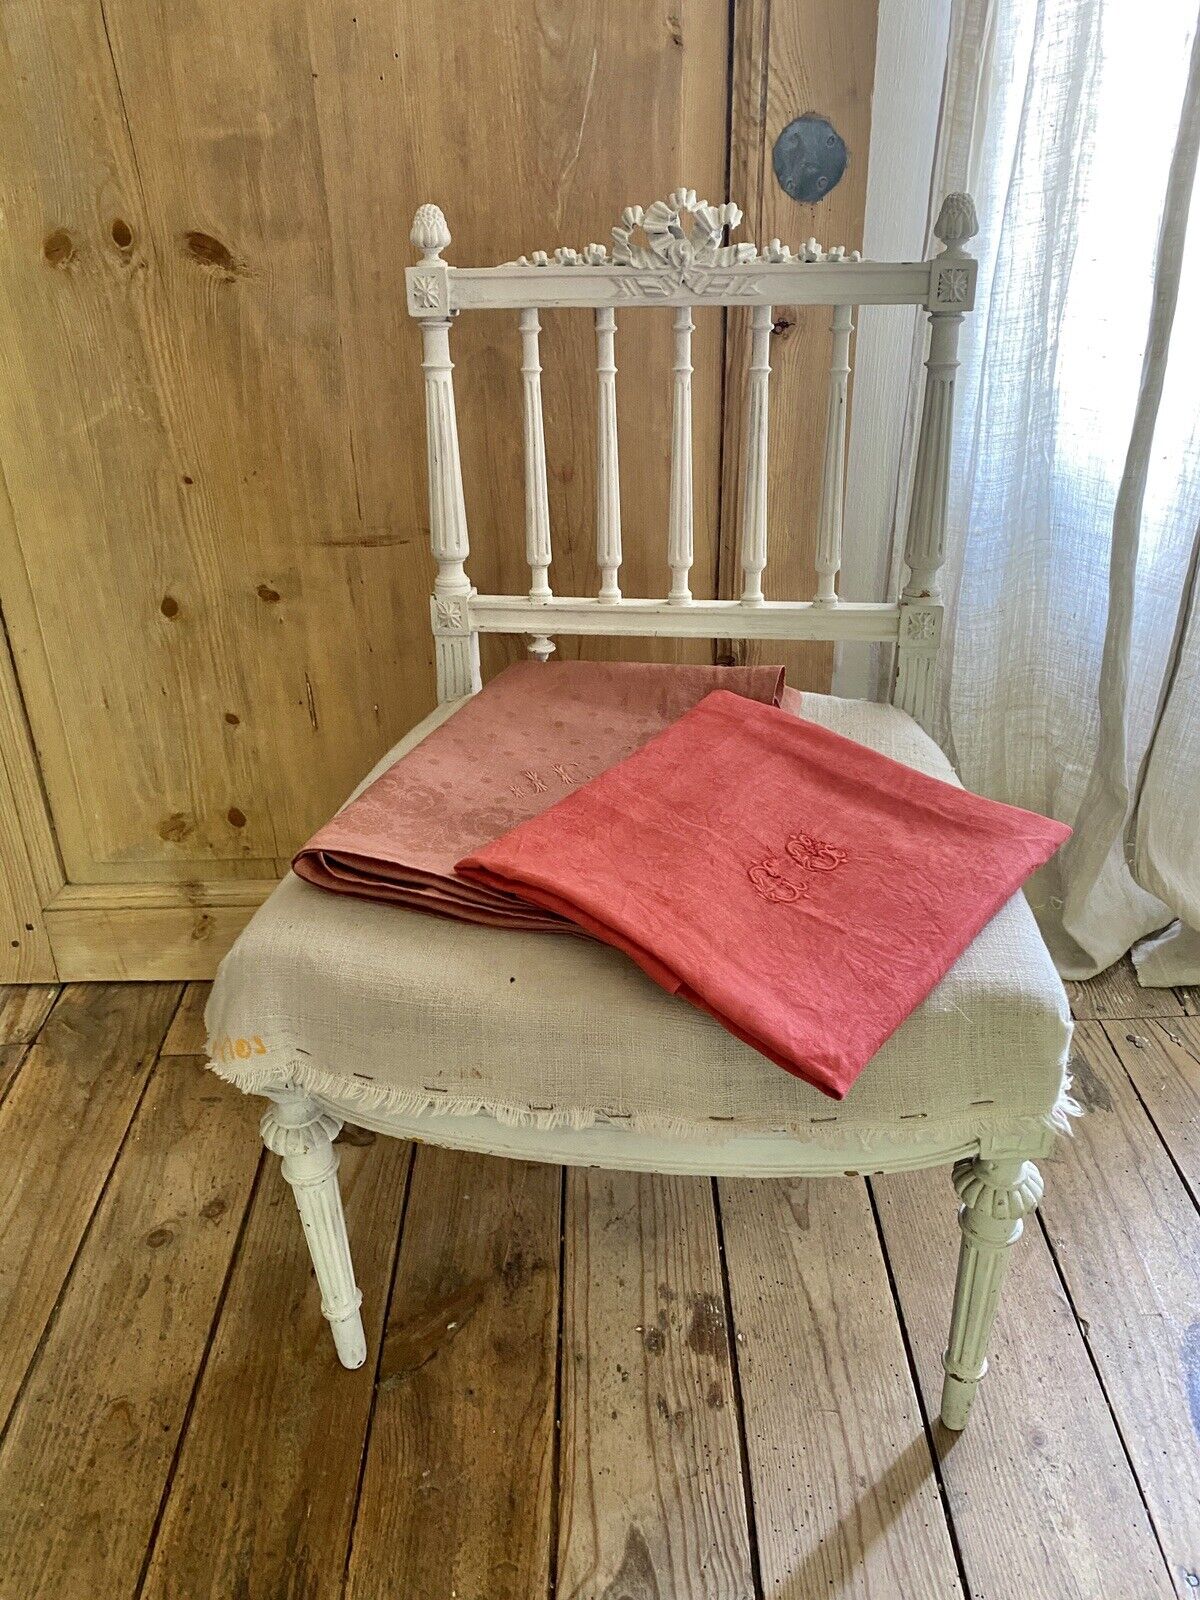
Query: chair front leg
{"x": 297, "y": 1129}
{"x": 996, "y": 1197}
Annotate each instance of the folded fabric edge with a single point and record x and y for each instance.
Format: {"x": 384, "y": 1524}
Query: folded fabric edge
{"x": 397, "y": 1101}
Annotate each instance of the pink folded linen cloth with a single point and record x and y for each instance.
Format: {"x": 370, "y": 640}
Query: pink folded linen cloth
{"x": 804, "y": 890}
{"x": 533, "y": 734}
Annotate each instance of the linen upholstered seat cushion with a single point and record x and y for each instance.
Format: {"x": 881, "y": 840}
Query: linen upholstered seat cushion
{"x": 413, "y": 1013}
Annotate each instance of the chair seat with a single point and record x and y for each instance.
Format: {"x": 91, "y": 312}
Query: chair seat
{"x": 405, "y": 1014}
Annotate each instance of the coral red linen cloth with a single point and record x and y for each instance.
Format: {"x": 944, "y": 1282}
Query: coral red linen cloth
{"x": 804, "y": 890}
{"x": 533, "y": 734}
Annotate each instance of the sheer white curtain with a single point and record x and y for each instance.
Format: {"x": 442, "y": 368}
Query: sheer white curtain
{"x": 1073, "y": 683}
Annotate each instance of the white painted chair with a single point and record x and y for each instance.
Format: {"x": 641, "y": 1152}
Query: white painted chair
{"x": 558, "y": 1049}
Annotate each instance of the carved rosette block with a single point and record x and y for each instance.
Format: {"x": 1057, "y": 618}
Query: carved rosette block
{"x": 996, "y": 1196}
{"x": 448, "y": 615}
{"x": 296, "y": 1128}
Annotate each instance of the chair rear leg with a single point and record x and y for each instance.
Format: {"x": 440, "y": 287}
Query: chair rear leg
{"x": 996, "y": 1196}
{"x": 297, "y": 1129}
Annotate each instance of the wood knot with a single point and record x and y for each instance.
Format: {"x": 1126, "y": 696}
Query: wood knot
{"x": 58, "y": 248}
{"x": 209, "y": 252}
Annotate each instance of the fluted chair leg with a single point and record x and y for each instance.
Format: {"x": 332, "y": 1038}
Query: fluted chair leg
{"x": 302, "y": 1133}
{"x": 996, "y": 1197}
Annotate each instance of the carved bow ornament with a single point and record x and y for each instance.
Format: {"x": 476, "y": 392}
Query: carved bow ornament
{"x": 682, "y": 243}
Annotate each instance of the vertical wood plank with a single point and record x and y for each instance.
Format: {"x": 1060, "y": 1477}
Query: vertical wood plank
{"x": 262, "y": 1500}
{"x": 845, "y": 1500}
{"x": 789, "y": 57}
{"x": 456, "y": 1491}
{"x": 1133, "y": 1283}
{"x": 651, "y": 1499}
{"x": 66, "y": 1116}
{"x": 1043, "y": 1503}
{"x": 1163, "y": 1062}
{"x": 29, "y": 867}
{"x": 110, "y": 1387}
{"x": 556, "y": 168}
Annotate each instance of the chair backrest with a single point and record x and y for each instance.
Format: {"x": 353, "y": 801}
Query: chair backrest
{"x": 676, "y": 254}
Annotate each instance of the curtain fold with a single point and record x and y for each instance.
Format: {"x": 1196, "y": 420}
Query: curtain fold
{"x": 1071, "y": 681}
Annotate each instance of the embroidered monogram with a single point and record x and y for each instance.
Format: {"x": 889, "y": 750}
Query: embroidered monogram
{"x": 814, "y": 854}
{"x": 771, "y": 883}
{"x": 809, "y": 854}
{"x": 569, "y": 772}
{"x": 537, "y": 782}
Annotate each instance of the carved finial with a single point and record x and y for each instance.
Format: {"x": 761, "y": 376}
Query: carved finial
{"x": 956, "y": 222}
{"x": 429, "y": 233}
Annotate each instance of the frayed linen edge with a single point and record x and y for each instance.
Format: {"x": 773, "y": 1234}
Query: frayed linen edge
{"x": 400, "y": 1102}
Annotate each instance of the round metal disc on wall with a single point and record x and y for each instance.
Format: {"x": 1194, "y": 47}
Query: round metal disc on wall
{"x": 809, "y": 158}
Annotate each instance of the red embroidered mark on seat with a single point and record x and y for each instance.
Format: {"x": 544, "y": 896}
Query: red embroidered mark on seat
{"x": 814, "y": 854}
{"x": 771, "y": 883}
{"x": 809, "y": 854}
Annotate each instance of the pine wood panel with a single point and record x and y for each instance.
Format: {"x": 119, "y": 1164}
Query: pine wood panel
{"x": 559, "y": 163}
{"x": 66, "y": 1115}
{"x": 109, "y": 1389}
{"x": 456, "y": 1491}
{"x": 788, "y": 59}
{"x": 211, "y": 396}
{"x": 651, "y": 1499}
{"x": 186, "y": 1035}
{"x": 1042, "y": 1504}
{"x": 23, "y": 1009}
{"x": 1116, "y": 993}
{"x": 845, "y": 1501}
{"x": 1134, "y": 1285}
{"x": 25, "y": 954}
{"x": 1163, "y": 1060}
{"x": 262, "y": 1501}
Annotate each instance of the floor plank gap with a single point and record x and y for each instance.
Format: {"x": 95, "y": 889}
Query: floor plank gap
{"x": 739, "y": 1404}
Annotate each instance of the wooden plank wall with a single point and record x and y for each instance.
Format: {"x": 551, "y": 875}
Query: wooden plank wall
{"x": 214, "y": 573}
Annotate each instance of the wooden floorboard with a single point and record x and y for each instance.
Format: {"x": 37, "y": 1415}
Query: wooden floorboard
{"x": 845, "y": 1500}
{"x": 1127, "y": 1239}
{"x": 1043, "y": 1503}
{"x": 651, "y": 1500}
{"x": 61, "y": 1126}
{"x": 263, "y": 1496}
{"x": 1117, "y": 993}
{"x": 12, "y": 1057}
{"x": 186, "y": 1036}
{"x": 1162, "y": 1060}
{"x": 457, "y": 1490}
{"x": 23, "y": 1009}
{"x": 99, "y": 1418}
{"x": 180, "y": 1429}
